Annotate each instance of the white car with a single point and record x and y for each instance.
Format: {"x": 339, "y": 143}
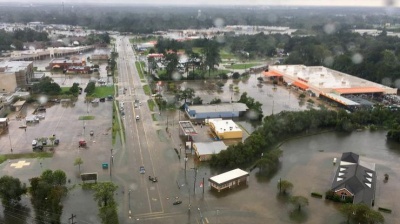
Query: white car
{"x": 137, "y": 117}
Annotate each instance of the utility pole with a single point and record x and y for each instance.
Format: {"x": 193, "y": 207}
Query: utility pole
{"x": 194, "y": 183}
{"x": 72, "y": 219}
{"x": 203, "y": 185}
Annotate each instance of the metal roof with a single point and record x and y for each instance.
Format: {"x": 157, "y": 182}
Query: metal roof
{"x": 340, "y": 99}
{"x": 209, "y": 148}
{"x": 222, "y": 107}
{"x": 187, "y": 128}
{"x": 228, "y": 176}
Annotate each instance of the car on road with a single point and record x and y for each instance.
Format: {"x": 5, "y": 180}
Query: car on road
{"x": 177, "y": 202}
{"x": 142, "y": 170}
{"x": 137, "y": 117}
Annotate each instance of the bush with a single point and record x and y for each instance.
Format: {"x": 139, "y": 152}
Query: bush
{"x": 385, "y": 210}
{"x": 235, "y": 75}
{"x": 330, "y": 195}
{"x": 223, "y": 75}
{"x": 316, "y": 195}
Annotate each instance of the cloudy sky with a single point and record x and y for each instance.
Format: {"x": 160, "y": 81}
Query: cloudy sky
{"x": 376, "y": 3}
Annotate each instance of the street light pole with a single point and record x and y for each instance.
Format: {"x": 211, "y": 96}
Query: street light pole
{"x": 9, "y": 138}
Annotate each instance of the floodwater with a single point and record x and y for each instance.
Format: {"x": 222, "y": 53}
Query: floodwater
{"x": 307, "y": 163}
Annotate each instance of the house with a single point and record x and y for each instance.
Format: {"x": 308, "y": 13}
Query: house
{"x": 204, "y": 150}
{"x": 356, "y": 179}
{"x": 229, "y": 179}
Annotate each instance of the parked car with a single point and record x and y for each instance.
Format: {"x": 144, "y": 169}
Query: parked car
{"x": 177, "y": 202}
{"x": 102, "y": 100}
{"x": 142, "y": 170}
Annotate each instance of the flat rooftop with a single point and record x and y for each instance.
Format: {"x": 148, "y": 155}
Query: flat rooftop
{"x": 13, "y": 66}
{"x": 327, "y": 79}
{"x": 222, "y": 126}
{"x": 222, "y": 107}
{"x": 209, "y": 148}
{"x": 228, "y": 176}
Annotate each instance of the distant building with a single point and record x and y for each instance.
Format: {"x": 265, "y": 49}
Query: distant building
{"x": 229, "y": 179}
{"x": 65, "y": 63}
{"x": 222, "y": 110}
{"x": 15, "y": 75}
{"x": 99, "y": 57}
{"x": 204, "y": 150}
{"x": 225, "y": 129}
{"x": 355, "y": 179}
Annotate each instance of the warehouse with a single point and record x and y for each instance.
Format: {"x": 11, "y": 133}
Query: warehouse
{"x": 229, "y": 179}
{"x": 222, "y": 110}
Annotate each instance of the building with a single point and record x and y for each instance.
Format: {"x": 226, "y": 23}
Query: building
{"x": 328, "y": 84}
{"x": 356, "y": 179}
{"x": 229, "y": 179}
{"x": 99, "y": 57}
{"x": 204, "y": 150}
{"x": 222, "y": 110}
{"x": 15, "y": 75}
{"x": 65, "y": 63}
{"x": 225, "y": 129}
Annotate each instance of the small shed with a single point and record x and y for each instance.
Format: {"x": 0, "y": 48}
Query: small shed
{"x": 18, "y": 105}
{"x": 229, "y": 179}
{"x": 3, "y": 123}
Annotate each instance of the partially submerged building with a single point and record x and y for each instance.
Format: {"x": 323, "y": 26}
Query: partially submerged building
{"x": 222, "y": 110}
{"x": 229, "y": 179}
{"x": 225, "y": 129}
{"x": 205, "y": 150}
{"x": 355, "y": 179}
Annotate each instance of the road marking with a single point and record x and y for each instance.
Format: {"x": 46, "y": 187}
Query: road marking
{"x": 20, "y": 164}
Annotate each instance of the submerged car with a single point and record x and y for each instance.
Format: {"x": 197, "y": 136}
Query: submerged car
{"x": 142, "y": 170}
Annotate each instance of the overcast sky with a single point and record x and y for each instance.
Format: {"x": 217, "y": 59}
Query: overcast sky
{"x": 376, "y": 3}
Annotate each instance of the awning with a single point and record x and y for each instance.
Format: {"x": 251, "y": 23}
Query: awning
{"x": 56, "y": 66}
{"x": 300, "y": 85}
{"x": 272, "y": 74}
{"x": 359, "y": 90}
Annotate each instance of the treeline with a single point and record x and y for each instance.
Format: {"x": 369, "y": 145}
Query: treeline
{"x": 276, "y": 128}
{"x": 139, "y": 19}
{"x": 368, "y": 57}
{"x": 18, "y": 37}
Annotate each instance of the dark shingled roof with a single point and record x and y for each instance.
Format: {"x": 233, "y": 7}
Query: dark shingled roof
{"x": 357, "y": 177}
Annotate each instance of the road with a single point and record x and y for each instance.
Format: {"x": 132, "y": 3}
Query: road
{"x": 146, "y": 200}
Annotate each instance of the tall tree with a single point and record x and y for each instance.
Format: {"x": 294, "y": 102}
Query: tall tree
{"x": 11, "y": 190}
{"x": 172, "y": 62}
{"x": 212, "y": 55}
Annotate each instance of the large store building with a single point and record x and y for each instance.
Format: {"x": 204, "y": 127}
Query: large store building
{"x": 327, "y": 83}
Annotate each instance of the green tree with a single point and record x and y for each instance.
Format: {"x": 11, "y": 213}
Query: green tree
{"x": 172, "y": 62}
{"x": 348, "y": 211}
{"x": 197, "y": 101}
{"x": 46, "y": 192}
{"x": 78, "y": 162}
{"x": 215, "y": 101}
{"x": 104, "y": 193}
{"x": 284, "y": 186}
{"x": 11, "y": 190}
{"x": 299, "y": 201}
{"x": 212, "y": 56}
{"x": 185, "y": 94}
{"x": 46, "y": 86}
{"x": 74, "y": 89}
{"x": 89, "y": 90}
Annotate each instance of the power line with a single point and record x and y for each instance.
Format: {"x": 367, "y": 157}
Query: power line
{"x": 72, "y": 219}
